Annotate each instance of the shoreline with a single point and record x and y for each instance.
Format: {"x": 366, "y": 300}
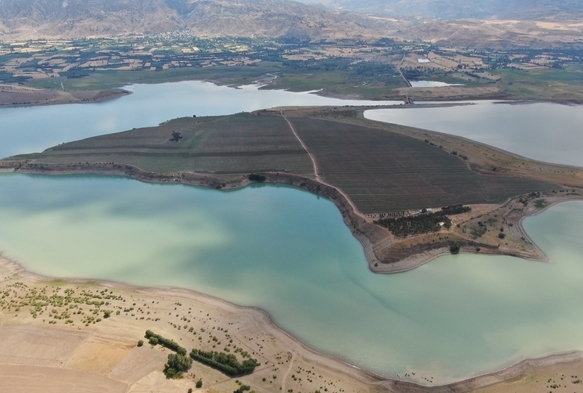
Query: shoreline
{"x": 15, "y": 96}
{"x": 377, "y": 242}
{"x": 120, "y": 91}
{"x": 269, "y": 327}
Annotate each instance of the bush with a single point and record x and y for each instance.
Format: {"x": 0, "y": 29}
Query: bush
{"x": 256, "y": 177}
{"x": 455, "y": 248}
{"x": 199, "y": 384}
{"x": 501, "y": 235}
{"x": 140, "y": 343}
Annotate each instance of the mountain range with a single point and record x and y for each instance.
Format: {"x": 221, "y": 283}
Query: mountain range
{"x": 461, "y": 9}
{"x": 527, "y": 23}
{"x": 270, "y": 18}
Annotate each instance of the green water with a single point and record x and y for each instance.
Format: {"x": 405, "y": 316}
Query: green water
{"x": 288, "y": 252}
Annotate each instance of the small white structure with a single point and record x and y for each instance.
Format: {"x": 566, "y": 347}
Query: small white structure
{"x": 423, "y": 61}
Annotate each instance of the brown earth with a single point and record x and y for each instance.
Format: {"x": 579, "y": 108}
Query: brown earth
{"x": 15, "y": 95}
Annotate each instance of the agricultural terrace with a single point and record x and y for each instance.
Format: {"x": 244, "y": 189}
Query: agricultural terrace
{"x": 380, "y": 170}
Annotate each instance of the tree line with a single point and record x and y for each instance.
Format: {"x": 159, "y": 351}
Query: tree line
{"x": 225, "y": 363}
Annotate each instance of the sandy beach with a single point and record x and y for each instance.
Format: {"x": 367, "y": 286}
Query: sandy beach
{"x": 54, "y": 334}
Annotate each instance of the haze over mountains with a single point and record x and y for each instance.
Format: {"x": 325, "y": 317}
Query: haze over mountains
{"x": 271, "y": 18}
{"x": 537, "y": 23}
{"x": 461, "y": 9}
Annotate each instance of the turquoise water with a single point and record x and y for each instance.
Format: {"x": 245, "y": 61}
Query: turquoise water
{"x": 33, "y": 129}
{"x": 287, "y": 251}
{"x": 541, "y": 131}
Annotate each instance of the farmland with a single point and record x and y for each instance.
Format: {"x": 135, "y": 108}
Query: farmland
{"x": 380, "y": 171}
{"x": 387, "y": 172}
{"x": 228, "y": 145}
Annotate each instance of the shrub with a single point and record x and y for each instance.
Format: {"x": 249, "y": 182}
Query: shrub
{"x": 257, "y": 177}
{"x": 140, "y": 343}
{"x": 199, "y": 384}
{"x": 501, "y": 235}
{"x": 455, "y": 248}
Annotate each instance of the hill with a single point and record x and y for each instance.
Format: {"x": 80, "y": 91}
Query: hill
{"x": 462, "y": 9}
{"x": 246, "y": 18}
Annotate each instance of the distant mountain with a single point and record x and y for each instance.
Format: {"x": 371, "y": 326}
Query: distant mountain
{"x": 461, "y": 9}
{"x": 271, "y": 18}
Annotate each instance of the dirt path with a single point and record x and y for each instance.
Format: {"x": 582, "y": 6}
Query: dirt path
{"x": 402, "y": 75}
{"x": 316, "y": 172}
{"x": 304, "y": 146}
{"x": 291, "y": 364}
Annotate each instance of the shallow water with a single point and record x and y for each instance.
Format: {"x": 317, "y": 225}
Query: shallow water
{"x": 288, "y": 252}
{"x": 33, "y": 129}
{"x": 542, "y": 131}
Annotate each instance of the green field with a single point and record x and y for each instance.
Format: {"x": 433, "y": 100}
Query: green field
{"x": 544, "y": 84}
{"x": 381, "y": 171}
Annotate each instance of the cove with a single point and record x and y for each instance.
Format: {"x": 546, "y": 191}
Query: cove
{"x": 288, "y": 252}
{"x": 542, "y": 131}
{"x": 33, "y": 129}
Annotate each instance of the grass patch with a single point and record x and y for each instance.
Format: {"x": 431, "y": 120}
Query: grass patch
{"x": 556, "y": 84}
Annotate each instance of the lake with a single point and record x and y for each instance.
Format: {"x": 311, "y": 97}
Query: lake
{"x": 33, "y": 129}
{"x": 287, "y": 251}
{"x": 542, "y": 131}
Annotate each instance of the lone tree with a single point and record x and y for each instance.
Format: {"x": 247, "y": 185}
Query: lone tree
{"x": 455, "y": 248}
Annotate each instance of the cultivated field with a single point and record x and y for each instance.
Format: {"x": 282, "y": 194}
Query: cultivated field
{"x": 380, "y": 171}
{"x": 235, "y": 144}
{"x": 384, "y": 172}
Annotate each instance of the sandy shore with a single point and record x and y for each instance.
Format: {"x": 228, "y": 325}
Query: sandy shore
{"x": 45, "y": 337}
{"x": 57, "y": 336}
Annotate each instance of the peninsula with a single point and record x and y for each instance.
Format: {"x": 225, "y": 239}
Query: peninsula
{"x": 386, "y": 179}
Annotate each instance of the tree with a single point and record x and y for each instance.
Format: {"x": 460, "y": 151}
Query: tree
{"x": 199, "y": 384}
{"x": 176, "y": 365}
{"x": 140, "y": 343}
{"x": 455, "y": 248}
